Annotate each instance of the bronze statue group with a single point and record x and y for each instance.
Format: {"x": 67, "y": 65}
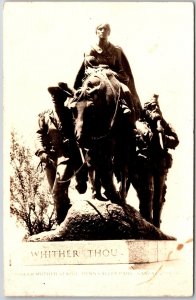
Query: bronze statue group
{"x": 98, "y": 130}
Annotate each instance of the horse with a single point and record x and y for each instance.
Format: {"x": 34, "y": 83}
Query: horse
{"x": 97, "y": 119}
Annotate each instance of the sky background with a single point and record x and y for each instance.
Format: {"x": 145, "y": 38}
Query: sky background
{"x": 43, "y": 44}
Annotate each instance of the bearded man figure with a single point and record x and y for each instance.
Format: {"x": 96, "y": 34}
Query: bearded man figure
{"x": 154, "y": 137}
{"x": 58, "y": 152}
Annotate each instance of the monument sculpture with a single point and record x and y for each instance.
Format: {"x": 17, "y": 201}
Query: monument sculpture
{"x": 99, "y": 131}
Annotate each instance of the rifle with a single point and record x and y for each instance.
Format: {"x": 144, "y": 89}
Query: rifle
{"x": 160, "y": 134}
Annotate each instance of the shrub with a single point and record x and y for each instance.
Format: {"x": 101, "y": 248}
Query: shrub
{"x": 30, "y": 200}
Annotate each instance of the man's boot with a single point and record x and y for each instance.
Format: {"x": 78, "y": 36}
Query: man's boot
{"x": 82, "y": 179}
{"x": 62, "y": 206}
{"x": 61, "y": 200}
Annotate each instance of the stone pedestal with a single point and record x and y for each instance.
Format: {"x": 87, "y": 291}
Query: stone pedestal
{"x": 117, "y": 268}
{"x": 97, "y": 252}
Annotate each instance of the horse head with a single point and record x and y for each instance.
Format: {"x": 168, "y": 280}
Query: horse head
{"x": 94, "y": 107}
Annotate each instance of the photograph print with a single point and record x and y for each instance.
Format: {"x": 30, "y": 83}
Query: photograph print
{"x": 98, "y": 102}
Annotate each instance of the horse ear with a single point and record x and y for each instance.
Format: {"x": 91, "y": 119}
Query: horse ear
{"x": 72, "y": 103}
{"x": 77, "y": 93}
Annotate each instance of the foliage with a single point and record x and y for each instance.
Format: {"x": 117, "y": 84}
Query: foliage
{"x": 30, "y": 200}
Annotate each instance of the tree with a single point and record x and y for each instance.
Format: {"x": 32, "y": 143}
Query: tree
{"x": 30, "y": 200}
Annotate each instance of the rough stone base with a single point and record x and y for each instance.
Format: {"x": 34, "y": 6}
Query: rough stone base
{"x": 102, "y": 220}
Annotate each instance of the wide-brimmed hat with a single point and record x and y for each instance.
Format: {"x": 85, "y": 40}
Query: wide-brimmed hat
{"x": 153, "y": 99}
{"x": 57, "y": 92}
{"x": 66, "y": 89}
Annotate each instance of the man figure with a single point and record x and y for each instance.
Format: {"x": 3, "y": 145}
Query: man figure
{"x": 106, "y": 55}
{"x": 154, "y": 137}
{"x": 58, "y": 151}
